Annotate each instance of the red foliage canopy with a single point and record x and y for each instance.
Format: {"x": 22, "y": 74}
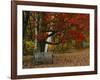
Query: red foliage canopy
{"x": 60, "y": 22}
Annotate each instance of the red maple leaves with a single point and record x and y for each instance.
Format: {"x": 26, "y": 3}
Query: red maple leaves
{"x": 61, "y": 21}
{"x": 41, "y": 36}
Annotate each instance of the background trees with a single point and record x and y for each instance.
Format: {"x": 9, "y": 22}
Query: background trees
{"x": 61, "y": 31}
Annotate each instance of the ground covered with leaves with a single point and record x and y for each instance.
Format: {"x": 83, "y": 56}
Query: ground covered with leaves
{"x": 74, "y": 58}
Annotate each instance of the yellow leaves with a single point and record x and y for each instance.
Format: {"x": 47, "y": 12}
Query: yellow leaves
{"x": 29, "y": 44}
{"x": 51, "y": 47}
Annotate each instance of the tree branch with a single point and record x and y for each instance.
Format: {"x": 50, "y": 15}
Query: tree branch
{"x": 51, "y": 34}
{"x": 52, "y": 43}
{"x": 49, "y": 31}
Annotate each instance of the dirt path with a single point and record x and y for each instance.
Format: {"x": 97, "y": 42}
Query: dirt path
{"x": 76, "y": 58}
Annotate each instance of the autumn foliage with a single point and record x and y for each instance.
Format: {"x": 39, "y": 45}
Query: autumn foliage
{"x": 68, "y": 26}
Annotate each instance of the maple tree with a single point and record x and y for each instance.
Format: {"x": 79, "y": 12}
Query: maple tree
{"x": 61, "y": 27}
